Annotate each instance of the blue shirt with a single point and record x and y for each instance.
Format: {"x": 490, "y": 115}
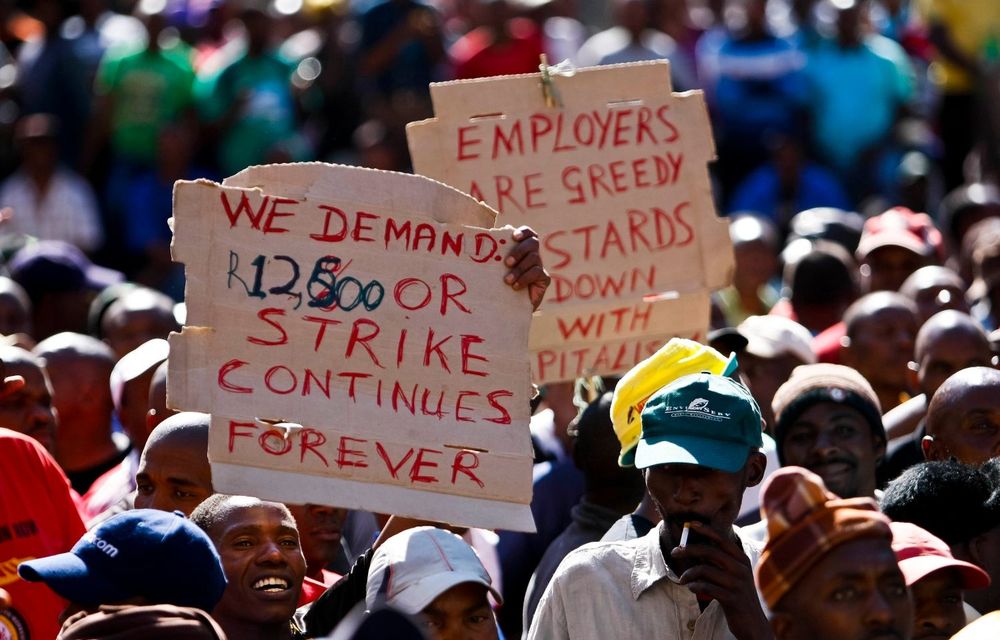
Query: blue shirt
{"x": 761, "y": 193}
{"x": 855, "y": 95}
{"x": 760, "y": 85}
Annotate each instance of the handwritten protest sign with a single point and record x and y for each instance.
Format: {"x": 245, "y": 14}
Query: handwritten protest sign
{"x": 616, "y": 181}
{"x": 350, "y": 333}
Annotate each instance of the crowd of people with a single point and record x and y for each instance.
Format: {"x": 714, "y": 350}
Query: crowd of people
{"x": 823, "y": 464}
{"x": 856, "y": 104}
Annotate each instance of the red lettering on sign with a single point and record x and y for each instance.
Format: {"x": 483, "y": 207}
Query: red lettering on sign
{"x": 419, "y": 463}
{"x": 225, "y": 370}
{"x": 344, "y": 454}
{"x": 460, "y": 466}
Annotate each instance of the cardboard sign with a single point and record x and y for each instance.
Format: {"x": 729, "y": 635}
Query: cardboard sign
{"x": 350, "y": 332}
{"x": 616, "y": 182}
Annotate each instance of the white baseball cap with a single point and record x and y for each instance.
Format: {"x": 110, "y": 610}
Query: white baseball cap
{"x": 414, "y": 567}
{"x": 774, "y": 336}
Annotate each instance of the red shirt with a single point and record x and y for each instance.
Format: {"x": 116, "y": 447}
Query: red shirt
{"x": 826, "y": 344}
{"x": 38, "y": 518}
{"x": 312, "y": 588}
{"x": 476, "y": 55}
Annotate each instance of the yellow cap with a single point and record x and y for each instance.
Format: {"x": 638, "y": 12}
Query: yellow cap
{"x": 679, "y": 357}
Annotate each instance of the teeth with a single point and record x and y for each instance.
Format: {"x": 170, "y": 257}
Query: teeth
{"x": 271, "y": 584}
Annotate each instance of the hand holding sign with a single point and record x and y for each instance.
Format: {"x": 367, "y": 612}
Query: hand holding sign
{"x": 366, "y": 312}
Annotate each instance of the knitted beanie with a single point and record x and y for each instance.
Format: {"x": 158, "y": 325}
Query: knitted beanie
{"x": 814, "y": 383}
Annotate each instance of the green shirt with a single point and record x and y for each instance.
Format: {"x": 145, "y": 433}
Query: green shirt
{"x": 266, "y": 118}
{"x": 149, "y": 90}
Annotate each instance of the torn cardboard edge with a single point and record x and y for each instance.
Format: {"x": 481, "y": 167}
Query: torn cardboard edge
{"x": 263, "y": 177}
{"x": 351, "y": 494}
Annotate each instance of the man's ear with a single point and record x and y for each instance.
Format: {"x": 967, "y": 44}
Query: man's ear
{"x": 930, "y": 448}
{"x": 878, "y": 448}
{"x": 974, "y": 548}
{"x": 756, "y": 464}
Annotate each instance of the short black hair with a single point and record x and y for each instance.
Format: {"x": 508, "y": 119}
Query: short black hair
{"x": 824, "y": 275}
{"x": 869, "y": 304}
{"x": 930, "y": 495}
{"x": 214, "y": 510}
{"x": 210, "y": 512}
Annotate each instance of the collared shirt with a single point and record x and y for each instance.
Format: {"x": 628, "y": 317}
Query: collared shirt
{"x": 66, "y": 211}
{"x": 626, "y": 590}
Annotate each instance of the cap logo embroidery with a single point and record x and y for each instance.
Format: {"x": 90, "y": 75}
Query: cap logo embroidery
{"x": 105, "y": 546}
{"x": 697, "y": 408}
{"x": 698, "y": 403}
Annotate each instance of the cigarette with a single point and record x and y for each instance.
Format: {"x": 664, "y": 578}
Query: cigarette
{"x": 684, "y": 535}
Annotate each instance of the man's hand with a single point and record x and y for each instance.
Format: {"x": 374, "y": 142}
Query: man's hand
{"x": 525, "y": 263}
{"x": 722, "y": 571}
{"x": 4, "y": 599}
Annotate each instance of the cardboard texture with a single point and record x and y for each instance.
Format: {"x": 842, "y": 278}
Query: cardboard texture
{"x": 350, "y": 332}
{"x": 616, "y": 182}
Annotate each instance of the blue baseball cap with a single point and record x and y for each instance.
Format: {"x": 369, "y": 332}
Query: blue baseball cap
{"x": 703, "y": 419}
{"x": 160, "y": 556}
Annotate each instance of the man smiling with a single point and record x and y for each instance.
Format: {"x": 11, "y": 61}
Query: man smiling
{"x": 828, "y": 420}
{"x": 259, "y": 546}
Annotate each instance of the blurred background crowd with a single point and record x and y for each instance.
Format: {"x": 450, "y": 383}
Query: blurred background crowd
{"x": 853, "y": 104}
{"x": 857, "y": 162}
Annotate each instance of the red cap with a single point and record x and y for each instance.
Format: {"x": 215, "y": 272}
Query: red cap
{"x": 919, "y": 554}
{"x": 900, "y": 227}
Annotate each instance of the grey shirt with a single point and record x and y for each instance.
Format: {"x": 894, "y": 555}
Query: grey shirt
{"x": 626, "y": 590}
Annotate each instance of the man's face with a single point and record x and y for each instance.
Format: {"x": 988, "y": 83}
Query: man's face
{"x": 29, "y": 410}
{"x": 937, "y": 297}
{"x": 320, "y": 532}
{"x": 135, "y": 406}
{"x": 887, "y": 267}
{"x": 970, "y": 429}
{"x": 764, "y": 376}
{"x": 259, "y": 546}
{"x": 755, "y": 265}
{"x": 949, "y": 354}
{"x": 689, "y": 492}
{"x": 173, "y": 475}
{"x": 835, "y": 442}
{"x": 882, "y": 346}
{"x": 987, "y": 557}
{"x": 128, "y": 330}
{"x": 14, "y": 317}
{"x": 856, "y": 592}
{"x": 158, "y": 411}
{"x": 461, "y": 613}
{"x": 938, "y": 613}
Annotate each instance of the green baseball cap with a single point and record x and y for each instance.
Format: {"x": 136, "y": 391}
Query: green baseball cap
{"x": 703, "y": 419}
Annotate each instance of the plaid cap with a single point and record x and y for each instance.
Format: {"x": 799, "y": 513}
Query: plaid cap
{"x": 677, "y": 358}
{"x": 804, "y": 523}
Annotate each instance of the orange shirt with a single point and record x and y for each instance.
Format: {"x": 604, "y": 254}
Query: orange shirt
{"x": 38, "y": 518}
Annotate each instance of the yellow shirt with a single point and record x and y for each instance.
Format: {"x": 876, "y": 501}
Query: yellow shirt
{"x": 972, "y": 25}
